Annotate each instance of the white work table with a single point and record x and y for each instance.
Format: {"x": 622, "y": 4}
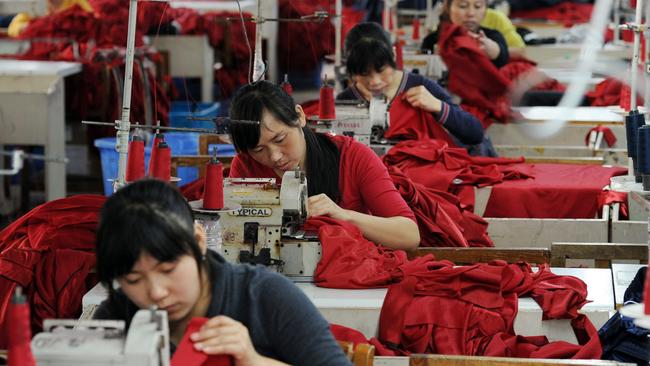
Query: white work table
{"x": 32, "y": 111}
{"x": 360, "y": 309}
{"x": 593, "y": 115}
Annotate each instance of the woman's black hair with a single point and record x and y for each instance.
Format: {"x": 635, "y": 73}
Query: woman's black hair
{"x": 323, "y": 156}
{"x": 368, "y": 48}
{"x": 148, "y": 216}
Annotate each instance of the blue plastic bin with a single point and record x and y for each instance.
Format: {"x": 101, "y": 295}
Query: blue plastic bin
{"x": 180, "y": 114}
{"x": 181, "y": 143}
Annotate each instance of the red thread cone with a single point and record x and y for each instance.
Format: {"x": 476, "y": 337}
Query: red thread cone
{"x": 213, "y": 192}
{"x": 135, "y": 162}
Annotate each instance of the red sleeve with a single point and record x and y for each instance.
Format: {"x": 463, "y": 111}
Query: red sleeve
{"x": 238, "y": 168}
{"x": 243, "y": 166}
{"x": 365, "y": 170}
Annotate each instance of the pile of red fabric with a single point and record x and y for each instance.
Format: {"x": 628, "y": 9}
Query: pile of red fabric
{"x": 470, "y": 310}
{"x": 349, "y": 260}
{"x": 98, "y": 89}
{"x": 49, "y": 252}
{"x": 567, "y": 13}
{"x": 434, "y": 164}
{"x": 484, "y": 89}
{"x": 607, "y": 93}
{"x": 555, "y": 190}
{"x": 441, "y": 219}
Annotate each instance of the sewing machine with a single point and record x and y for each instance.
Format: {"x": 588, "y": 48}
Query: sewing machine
{"x": 267, "y": 229}
{"x": 365, "y": 122}
{"x": 428, "y": 65}
{"x": 103, "y": 342}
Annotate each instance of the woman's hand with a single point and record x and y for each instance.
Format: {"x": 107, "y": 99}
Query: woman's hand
{"x": 321, "y": 205}
{"x": 419, "y": 97}
{"x": 488, "y": 46}
{"x": 223, "y": 335}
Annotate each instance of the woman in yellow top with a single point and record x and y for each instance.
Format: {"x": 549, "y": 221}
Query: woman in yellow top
{"x": 21, "y": 20}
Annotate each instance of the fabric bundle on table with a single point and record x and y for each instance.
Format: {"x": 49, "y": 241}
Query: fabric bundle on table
{"x": 50, "y": 252}
{"x": 470, "y": 310}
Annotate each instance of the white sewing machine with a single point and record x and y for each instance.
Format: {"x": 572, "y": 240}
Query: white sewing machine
{"x": 365, "y": 122}
{"x": 429, "y": 65}
{"x": 103, "y": 342}
{"x": 267, "y": 229}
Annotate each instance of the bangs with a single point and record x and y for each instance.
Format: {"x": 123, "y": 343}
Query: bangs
{"x": 369, "y": 55}
{"x": 164, "y": 237}
{"x": 249, "y": 104}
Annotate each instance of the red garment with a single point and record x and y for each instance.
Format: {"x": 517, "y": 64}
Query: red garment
{"x": 364, "y": 183}
{"x": 568, "y": 13}
{"x": 470, "y": 310}
{"x": 558, "y": 191}
{"x": 472, "y": 76}
{"x": 409, "y": 123}
{"x": 441, "y": 220}
{"x": 186, "y": 355}
{"x": 483, "y": 88}
{"x": 608, "y": 135}
{"x": 50, "y": 252}
{"x": 348, "y": 260}
{"x": 436, "y": 165}
{"x": 310, "y": 107}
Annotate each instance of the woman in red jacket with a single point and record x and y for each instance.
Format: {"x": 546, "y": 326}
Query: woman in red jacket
{"x": 345, "y": 179}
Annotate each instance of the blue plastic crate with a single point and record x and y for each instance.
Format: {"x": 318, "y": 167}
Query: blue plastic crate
{"x": 180, "y": 114}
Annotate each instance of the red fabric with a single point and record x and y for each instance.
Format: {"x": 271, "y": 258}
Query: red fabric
{"x": 608, "y": 135}
{"x": 348, "y": 260}
{"x": 343, "y": 333}
{"x": 410, "y": 123}
{"x": 310, "y": 107}
{"x": 470, "y": 310}
{"x": 49, "y": 252}
{"x": 434, "y": 164}
{"x": 558, "y": 191}
{"x": 441, "y": 219}
{"x": 364, "y": 183}
{"x": 607, "y": 197}
{"x": 186, "y": 355}
{"x": 483, "y": 88}
{"x": 568, "y": 13}
{"x": 98, "y": 94}
{"x": 302, "y": 45}
{"x": 609, "y": 92}
{"x": 472, "y": 76}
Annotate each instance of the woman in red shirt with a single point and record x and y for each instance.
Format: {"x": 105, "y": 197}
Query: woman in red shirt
{"x": 345, "y": 179}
